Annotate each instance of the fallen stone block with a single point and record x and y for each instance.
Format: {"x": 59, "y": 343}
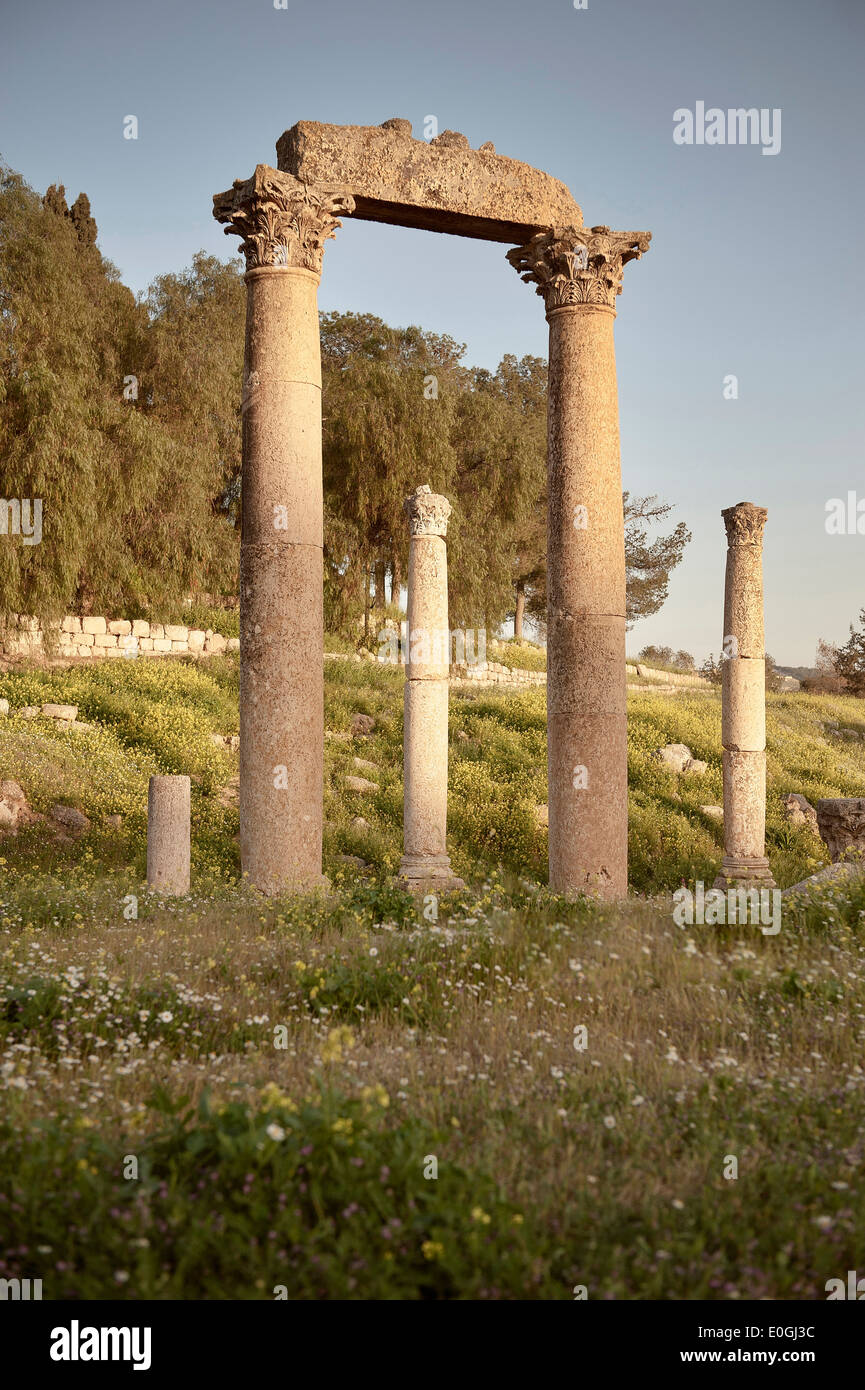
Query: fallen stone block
{"x": 67, "y": 712}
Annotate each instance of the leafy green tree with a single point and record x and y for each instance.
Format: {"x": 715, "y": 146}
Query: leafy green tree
{"x": 121, "y": 516}
{"x": 388, "y": 402}
{"x": 849, "y": 662}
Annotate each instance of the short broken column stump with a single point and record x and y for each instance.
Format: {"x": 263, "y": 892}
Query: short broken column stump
{"x": 168, "y": 852}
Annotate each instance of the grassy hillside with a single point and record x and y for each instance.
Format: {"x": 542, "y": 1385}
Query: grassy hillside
{"x": 223, "y": 1096}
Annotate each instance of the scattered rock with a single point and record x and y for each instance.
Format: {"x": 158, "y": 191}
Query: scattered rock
{"x": 4, "y": 706}
{"x": 360, "y": 784}
{"x": 362, "y": 725}
{"x": 359, "y": 825}
{"x": 826, "y": 878}
{"x": 64, "y": 712}
{"x": 337, "y": 737}
{"x": 797, "y": 810}
{"x": 230, "y": 794}
{"x": 713, "y": 812}
{"x": 230, "y": 741}
{"x": 70, "y": 820}
{"x": 462, "y": 736}
{"x": 365, "y": 763}
{"x": 674, "y": 755}
{"x": 841, "y": 822}
{"x": 115, "y": 821}
{"x": 696, "y": 767}
{"x": 353, "y": 860}
{"x": 29, "y": 711}
{"x": 14, "y": 810}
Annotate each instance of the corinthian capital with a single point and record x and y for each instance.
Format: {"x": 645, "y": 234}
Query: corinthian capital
{"x": 578, "y": 265}
{"x": 427, "y": 512}
{"x": 280, "y": 220}
{"x": 744, "y": 524}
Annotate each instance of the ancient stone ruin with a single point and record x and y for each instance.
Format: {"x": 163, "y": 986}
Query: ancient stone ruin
{"x": 426, "y": 867}
{"x": 743, "y": 702}
{"x": 283, "y": 217}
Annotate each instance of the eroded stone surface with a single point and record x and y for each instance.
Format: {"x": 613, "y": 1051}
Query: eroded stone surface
{"x": 441, "y": 186}
{"x": 841, "y": 821}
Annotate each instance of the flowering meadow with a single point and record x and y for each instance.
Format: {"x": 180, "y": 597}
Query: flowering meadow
{"x": 507, "y": 1096}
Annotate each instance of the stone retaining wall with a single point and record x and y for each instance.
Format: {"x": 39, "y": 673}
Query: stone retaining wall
{"x": 94, "y": 637}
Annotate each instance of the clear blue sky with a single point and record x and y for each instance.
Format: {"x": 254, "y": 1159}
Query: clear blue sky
{"x": 754, "y": 268}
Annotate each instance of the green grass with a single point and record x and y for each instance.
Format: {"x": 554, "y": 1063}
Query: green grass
{"x": 284, "y": 1071}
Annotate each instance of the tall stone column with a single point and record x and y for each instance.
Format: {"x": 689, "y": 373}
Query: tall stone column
{"x": 283, "y": 225}
{"x": 578, "y": 272}
{"x": 743, "y": 702}
{"x": 426, "y": 867}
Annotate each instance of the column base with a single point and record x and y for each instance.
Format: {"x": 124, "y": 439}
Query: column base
{"x": 428, "y": 873}
{"x": 290, "y": 887}
{"x": 745, "y": 869}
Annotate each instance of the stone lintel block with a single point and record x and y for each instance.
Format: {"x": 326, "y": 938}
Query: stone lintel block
{"x": 145, "y": 644}
{"x": 195, "y": 641}
{"x": 94, "y": 625}
{"x": 161, "y": 644}
{"x": 105, "y": 639}
{"x": 440, "y": 186}
{"x": 85, "y": 639}
{"x": 175, "y": 633}
{"x": 70, "y": 624}
{"x": 120, "y": 627}
{"x": 179, "y": 646}
{"x": 140, "y": 628}
{"x": 743, "y": 704}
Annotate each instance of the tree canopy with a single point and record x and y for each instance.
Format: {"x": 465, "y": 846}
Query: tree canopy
{"x": 124, "y": 418}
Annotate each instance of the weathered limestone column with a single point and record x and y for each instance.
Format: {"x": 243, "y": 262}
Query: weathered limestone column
{"x": 168, "y": 851}
{"x": 578, "y": 271}
{"x": 283, "y": 225}
{"x": 743, "y": 702}
{"x": 425, "y": 866}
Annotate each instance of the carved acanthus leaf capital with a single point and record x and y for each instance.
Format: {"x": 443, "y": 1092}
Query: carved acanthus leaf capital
{"x": 280, "y": 220}
{"x": 744, "y": 524}
{"x": 427, "y": 512}
{"x": 578, "y": 265}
